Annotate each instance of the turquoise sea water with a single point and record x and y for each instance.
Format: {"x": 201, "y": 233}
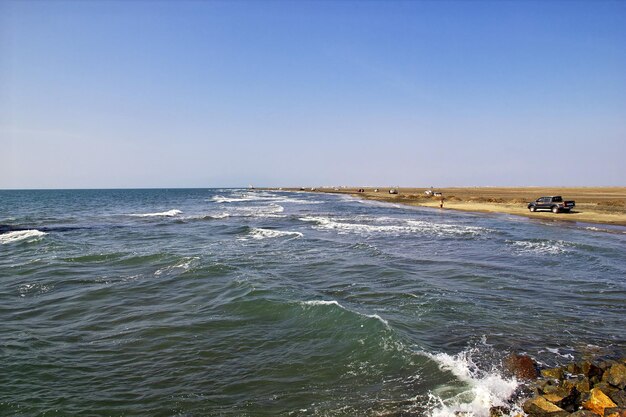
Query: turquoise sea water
{"x": 224, "y": 302}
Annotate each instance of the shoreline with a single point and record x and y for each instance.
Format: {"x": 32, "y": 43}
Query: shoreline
{"x": 594, "y": 205}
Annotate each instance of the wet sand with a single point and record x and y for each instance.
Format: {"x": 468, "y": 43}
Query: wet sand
{"x": 604, "y": 205}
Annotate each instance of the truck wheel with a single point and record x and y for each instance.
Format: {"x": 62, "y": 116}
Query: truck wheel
{"x": 555, "y": 209}
{"x": 532, "y": 208}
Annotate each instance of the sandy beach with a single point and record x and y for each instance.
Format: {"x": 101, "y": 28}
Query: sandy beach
{"x": 603, "y": 205}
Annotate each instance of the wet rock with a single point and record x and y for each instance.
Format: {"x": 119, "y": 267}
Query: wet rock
{"x": 616, "y": 375}
{"x": 554, "y": 373}
{"x": 615, "y": 412}
{"x": 573, "y": 368}
{"x": 604, "y": 365}
{"x": 598, "y": 401}
{"x": 590, "y": 370}
{"x": 564, "y": 397}
{"x": 540, "y": 407}
{"x": 500, "y": 411}
{"x": 582, "y": 384}
{"x": 546, "y": 386}
{"x": 618, "y": 397}
{"x": 521, "y": 366}
{"x": 606, "y": 388}
{"x": 583, "y": 413}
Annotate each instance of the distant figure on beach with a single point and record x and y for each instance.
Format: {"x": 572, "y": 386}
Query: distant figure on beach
{"x": 441, "y": 202}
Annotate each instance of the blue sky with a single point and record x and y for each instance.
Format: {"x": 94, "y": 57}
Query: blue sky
{"x": 106, "y": 94}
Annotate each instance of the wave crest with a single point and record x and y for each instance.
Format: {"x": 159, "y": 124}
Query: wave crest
{"x": 482, "y": 390}
{"x": 385, "y": 225}
{"x": 19, "y": 235}
{"x": 260, "y": 233}
{"x": 169, "y": 213}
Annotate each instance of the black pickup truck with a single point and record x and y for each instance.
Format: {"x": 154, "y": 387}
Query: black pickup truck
{"x": 554, "y": 203}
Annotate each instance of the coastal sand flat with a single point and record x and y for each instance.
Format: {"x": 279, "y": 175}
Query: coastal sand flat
{"x": 605, "y": 205}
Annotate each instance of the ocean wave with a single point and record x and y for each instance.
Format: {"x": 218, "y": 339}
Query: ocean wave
{"x": 260, "y": 233}
{"x": 335, "y": 303}
{"x": 405, "y": 226}
{"x": 272, "y": 210}
{"x": 169, "y": 213}
{"x": 212, "y": 216}
{"x": 19, "y": 235}
{"x": 297, "y": 201}
{"x": 484, "y": 389}
{"x": 540, "y": 247}
{"x": 184, "y": 264}
{"x": 222, "y": 199}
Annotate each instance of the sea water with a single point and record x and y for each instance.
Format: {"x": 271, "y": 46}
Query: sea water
{"x": 232, "y": 302}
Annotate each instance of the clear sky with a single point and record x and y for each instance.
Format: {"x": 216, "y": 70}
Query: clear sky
{"x": 106, "y": 94}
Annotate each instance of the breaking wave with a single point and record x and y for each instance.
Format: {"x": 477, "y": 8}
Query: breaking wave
{"x": 169, "y": 213}
{"x": 260, "y": 233}
{"x": 20, "y": 235}
{"x": 222, "y": 199}
{"x": 272, "y": 210}
{"x": 404, "y": 226}
{"x": 480, "y": 391}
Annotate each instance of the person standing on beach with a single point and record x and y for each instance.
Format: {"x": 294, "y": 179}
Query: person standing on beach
{"x": 441, "y": 202}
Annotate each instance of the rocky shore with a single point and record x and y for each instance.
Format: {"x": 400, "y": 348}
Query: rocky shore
{"x": 582, "y": 389}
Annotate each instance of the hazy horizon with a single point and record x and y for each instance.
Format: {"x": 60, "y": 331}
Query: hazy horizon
{"x": 106, "y": 95}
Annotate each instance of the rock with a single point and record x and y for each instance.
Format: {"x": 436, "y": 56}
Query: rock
{"x": 573, "y": 368}
{"x": 521, "y": 366}
{"x": 606, "y": 364}
{"x": 606, "y": 388}
{"x": 554, "y": 373}
{"x": 500, "y": 411}
{"x": 618, "y": 397}
{"x": 590, "y": 370}
{"x": 616, "y": 375}
{"x": 540, "y": 407}
{"x": 583, "y": 413}
{"x": 548, "y": 387}
{"x": 564, "y": 398}
{"x": 598, "y": 401}
{"x": 582, "y": 384}
{"x": 615, "y": 412}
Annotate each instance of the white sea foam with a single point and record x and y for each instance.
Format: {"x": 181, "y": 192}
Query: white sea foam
{"x": 555, "y": 351}
{"x": 27, "y": 289}
{"x": 19, "y": 235}
{"x": 183, "y": 265}
{"x": 272, "y": 210}
{"x": 256, "y": 196}
{"x": 484, "y": 389}
{"x": 212, "y": 216}
{"x": 259, "y": 233}
{"x": 393, "y": 226}
{"x": 297, "y": 201}
{"x": 445, "y": 228}
{"x": 544, "y": 247}
{"x": 169, "y": 213}
{"x": 222, "y": 199}
{"x": 322, "y": 303}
